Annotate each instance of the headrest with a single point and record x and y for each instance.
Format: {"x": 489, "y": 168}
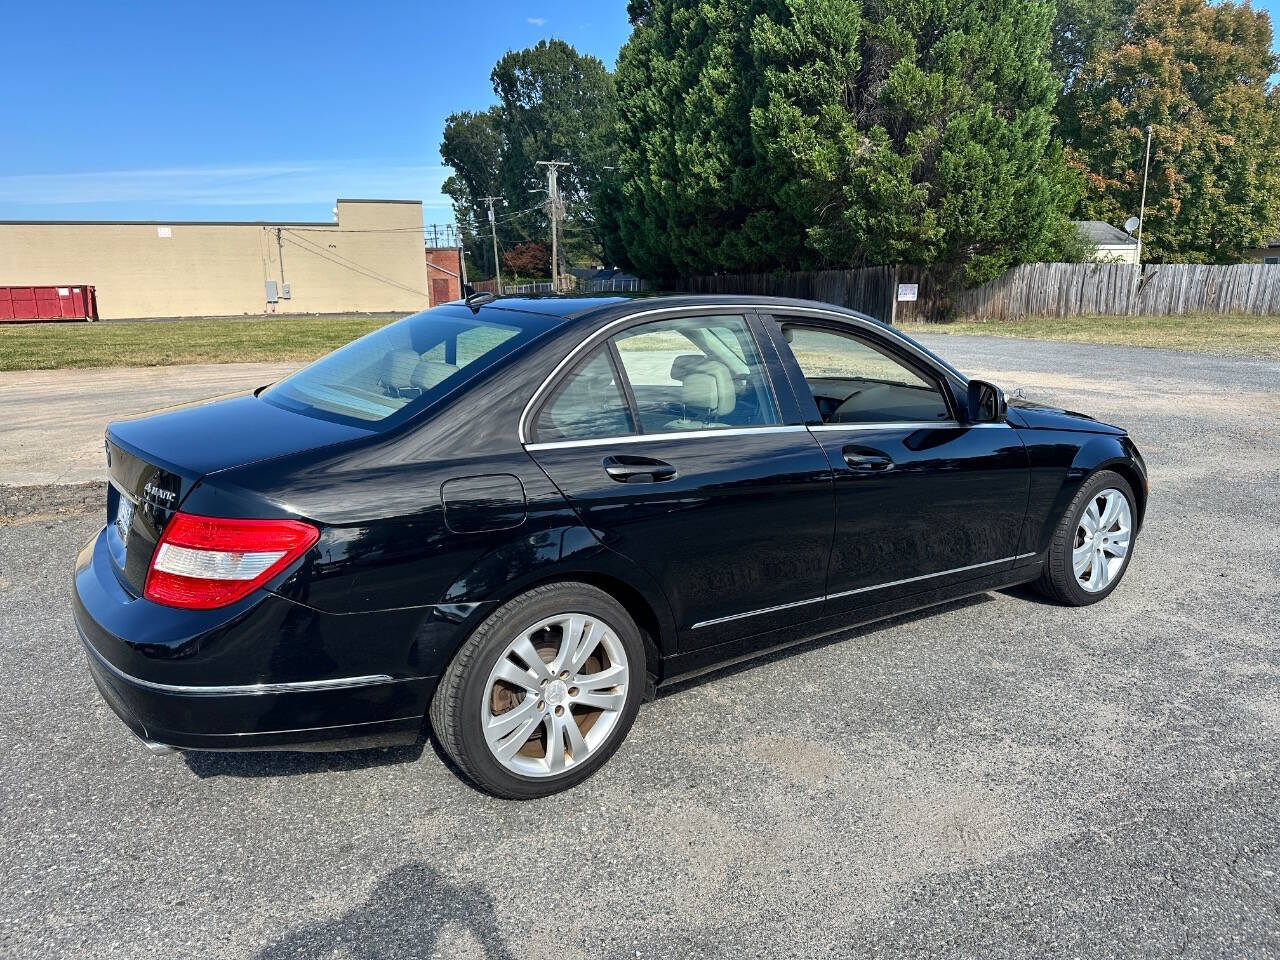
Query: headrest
{"x": 707, "y": 387}
{"x": 397, "y": 367}
{"x": 683, "y": 364}
{"x": 428, "y": 373}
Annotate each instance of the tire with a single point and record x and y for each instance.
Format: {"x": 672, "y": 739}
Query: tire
{"x": 1059, "y": 579}
{"x": 558, "y": 622}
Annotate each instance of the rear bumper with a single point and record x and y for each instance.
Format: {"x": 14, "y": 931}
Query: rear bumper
{"x": 265, "y": 674}
{"x": 301, "y": 718}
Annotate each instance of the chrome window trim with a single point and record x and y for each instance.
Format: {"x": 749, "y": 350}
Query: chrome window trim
{"x": 849, "y": 593}
{"x": 888, "y": 425}
{"x": 653, "y": 437}
{"x": 695, "y": 310}
{"x": 235, "y": 690}
{"x": 904, "y": 425}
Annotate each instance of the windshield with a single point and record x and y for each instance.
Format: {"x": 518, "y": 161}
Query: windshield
{"x": 387, "y": 376}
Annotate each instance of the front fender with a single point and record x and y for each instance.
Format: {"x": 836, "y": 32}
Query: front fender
{"x": 1061, "y": 462}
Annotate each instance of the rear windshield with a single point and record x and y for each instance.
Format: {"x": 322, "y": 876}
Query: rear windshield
{"x": 387, "y": 376}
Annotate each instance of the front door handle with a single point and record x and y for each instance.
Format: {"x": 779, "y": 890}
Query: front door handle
{"x": 867, "y": 460}
{"x": 627, "y": 469}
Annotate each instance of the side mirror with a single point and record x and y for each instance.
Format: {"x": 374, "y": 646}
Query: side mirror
{"x": 987, "y": 402}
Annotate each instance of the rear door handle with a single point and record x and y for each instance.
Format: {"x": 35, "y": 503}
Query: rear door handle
{"x": 627, "y": 469}
{"x": 867, "y": 460}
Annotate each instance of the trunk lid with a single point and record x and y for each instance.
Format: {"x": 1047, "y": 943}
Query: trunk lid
{"x": 154, "y": 462}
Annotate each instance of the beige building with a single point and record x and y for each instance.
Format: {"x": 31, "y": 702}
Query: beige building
{"x": 370, "y": 260}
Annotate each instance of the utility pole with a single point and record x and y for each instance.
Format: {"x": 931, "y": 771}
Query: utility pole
{"x": 553, "y": 200}
{"x": 493, "y": 226}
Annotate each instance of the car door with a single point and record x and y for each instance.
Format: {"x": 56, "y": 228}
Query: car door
{"x": 669, "y": 440}
{"x": 923, "y": 498}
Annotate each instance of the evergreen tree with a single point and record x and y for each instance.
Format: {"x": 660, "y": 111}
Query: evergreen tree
{"x": 1199, "y": 75}
{"x": 788, "y": 134}
{"x": 956, "y": 166}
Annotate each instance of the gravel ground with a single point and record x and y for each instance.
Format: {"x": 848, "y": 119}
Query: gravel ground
{"x": 1001, "y": 777}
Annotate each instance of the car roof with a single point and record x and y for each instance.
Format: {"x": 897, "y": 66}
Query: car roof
{"x": 575, "y": 308}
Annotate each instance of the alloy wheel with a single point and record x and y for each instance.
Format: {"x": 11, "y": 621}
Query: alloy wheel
{"x": 1102, "y": 540}
{"x": 555, "y": 695}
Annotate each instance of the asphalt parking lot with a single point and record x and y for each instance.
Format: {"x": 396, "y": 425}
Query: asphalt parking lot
{"x": 997, "y": 778}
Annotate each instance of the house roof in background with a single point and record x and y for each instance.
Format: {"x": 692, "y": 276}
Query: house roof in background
{"x": 1101, "y": 233}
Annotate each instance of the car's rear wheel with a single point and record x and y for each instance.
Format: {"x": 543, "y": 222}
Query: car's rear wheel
{"x": 1092, "y": 543}
{"x": 543, "y": 692}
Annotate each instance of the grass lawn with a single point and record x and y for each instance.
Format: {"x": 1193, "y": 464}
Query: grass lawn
{"x": 1255, "y": 336}
{"x": 150, "y": 343}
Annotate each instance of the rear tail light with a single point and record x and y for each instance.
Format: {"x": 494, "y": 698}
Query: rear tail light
{"x": 207, "y": 562}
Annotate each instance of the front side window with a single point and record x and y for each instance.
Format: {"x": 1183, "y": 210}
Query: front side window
{"x": 696, "y": 373}
{"x": 388, "y": 375}
{"x": 853, "y": 381}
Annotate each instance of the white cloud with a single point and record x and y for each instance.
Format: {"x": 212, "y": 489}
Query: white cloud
{"x": 536, "y": 21}
{"x": 230, "y": 186}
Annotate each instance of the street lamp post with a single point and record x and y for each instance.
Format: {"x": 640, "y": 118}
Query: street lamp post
{"x": 1142, "y": 208}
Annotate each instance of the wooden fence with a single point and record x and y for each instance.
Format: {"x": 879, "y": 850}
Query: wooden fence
{"x": 1030, "y": 290}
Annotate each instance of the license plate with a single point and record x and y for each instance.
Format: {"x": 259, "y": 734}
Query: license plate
{"x": 124, "y": 518}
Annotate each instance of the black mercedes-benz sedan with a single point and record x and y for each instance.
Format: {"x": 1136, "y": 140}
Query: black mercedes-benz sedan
{"x": 518, "y": 517}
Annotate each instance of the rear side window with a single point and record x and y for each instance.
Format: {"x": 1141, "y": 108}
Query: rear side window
{"x": 696, "y": 373}
{"x": 666, "y": 376}
{"x": 385, "y": 377}
{"x": 588, "y": 404}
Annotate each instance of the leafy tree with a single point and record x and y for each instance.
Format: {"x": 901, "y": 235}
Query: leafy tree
{"x": 1199, "y": 75}
{"x": 1083, "y": 27}
{"x": 528, "y": 260}
{"x": 471, "y": 146}
{"x": 788, "y": 134}
{"x": 555, "y": 104}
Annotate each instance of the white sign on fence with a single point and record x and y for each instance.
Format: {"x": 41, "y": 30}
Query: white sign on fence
{"x": 908, "y": 292}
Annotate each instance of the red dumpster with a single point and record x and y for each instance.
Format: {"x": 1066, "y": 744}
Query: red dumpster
{"x": 19, "y": 304}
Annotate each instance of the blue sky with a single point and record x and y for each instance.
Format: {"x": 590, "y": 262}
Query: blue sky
{"x": 270, "y": 110}
{"x": 228, "y": 110}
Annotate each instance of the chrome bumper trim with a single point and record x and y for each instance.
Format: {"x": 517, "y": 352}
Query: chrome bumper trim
{"x": 234, "y": 690}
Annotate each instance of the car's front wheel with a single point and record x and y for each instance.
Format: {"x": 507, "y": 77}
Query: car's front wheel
{"x": 1092, "y": 543}
{"x": 543, "y": 692}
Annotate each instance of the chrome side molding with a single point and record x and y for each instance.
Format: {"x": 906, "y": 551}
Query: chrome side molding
{"x": 849, "y": 593}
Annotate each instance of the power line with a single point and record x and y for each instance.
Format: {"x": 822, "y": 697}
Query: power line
{"x": 337, "y": 259}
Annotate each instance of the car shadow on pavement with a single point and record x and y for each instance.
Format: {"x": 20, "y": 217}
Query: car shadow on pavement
{"x": 288, "y": 763}
{"x": 404, "y": 916}
{"x": 1025, "y": 591}
{"x": 818, "y": 643}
